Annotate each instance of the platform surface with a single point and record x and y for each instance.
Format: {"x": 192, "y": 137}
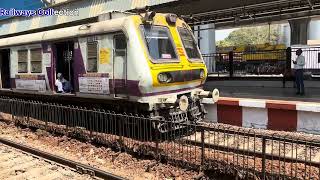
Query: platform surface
{"x": 272, "y": 90}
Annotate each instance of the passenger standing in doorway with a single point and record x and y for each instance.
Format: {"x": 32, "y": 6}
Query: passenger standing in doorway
{"x": 63, "y": 86}
{"x": 298, "y": 66}
{"x": 59, "y": 82}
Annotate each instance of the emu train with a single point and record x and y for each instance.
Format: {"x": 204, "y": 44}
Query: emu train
{"x": 144, "y": 63}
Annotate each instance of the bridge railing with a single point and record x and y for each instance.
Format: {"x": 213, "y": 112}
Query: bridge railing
{"x": 215, "y": 149}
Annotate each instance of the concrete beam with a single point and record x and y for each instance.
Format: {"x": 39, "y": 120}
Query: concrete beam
{"x": 299, "y": 31}
{"x": 247, "y": 21}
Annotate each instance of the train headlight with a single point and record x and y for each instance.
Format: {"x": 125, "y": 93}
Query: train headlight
{"x": 202, "y": 74}
{"x": 215, "y": 95}
{"x": 164, "y": 78}
{"x": 183, "y": 103}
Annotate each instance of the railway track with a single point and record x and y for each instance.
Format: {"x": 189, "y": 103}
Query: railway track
{"x": 22, "y": 162}
{"x": 281, "y": 154}
{"x": 212, "y": 147}
{"x": 300, "y": 151}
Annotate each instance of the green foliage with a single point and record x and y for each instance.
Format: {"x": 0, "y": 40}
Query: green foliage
{"x": 252, "y": 35}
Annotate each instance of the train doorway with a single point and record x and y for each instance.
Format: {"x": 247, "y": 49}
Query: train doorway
{"x": 5, "y": 68}
{"x": 64, "y": 60}
{"x": 120, "y": 66}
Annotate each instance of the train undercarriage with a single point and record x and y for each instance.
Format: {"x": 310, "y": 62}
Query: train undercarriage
{"x": 163, "y": 121}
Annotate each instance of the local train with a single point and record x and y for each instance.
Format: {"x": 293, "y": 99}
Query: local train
{"x": 144, "y": 63}
{"x": 256, "y": 59}
{"x": 258, "y": 52}
{"x": 270, "y": 59}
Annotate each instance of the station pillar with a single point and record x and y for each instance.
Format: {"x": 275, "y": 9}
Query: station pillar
{"x": 207, "y": 43}
{"x": 299, "y": 31}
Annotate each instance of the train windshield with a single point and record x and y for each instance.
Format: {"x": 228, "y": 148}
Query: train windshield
{"x": 189, "y": 44}
{"x": 159, "y": 42}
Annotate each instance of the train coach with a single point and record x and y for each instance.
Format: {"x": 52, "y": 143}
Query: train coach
{"x": 144, "y": 63}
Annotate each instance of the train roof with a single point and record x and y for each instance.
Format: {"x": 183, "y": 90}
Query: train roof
{"x": 106, "y": 25}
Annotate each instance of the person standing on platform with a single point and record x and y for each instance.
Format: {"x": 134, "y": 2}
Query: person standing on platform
{"x": 298, "y": 66}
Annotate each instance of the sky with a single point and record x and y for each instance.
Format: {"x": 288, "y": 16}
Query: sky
{"x": 20, "y": 4}
{"x": 222, "y": 34}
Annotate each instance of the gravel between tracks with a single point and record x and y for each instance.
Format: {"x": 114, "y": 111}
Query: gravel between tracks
{"x": 121, "y": 164}
{"x": 15, "y": 164}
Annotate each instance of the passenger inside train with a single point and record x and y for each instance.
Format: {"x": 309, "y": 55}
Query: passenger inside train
{"x": 63, "y": 86}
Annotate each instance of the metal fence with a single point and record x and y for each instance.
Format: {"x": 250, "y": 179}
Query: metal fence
{"x": 312, "y": 58}
{"x": 217, "y": 150}
{"x": 261, "y": 63}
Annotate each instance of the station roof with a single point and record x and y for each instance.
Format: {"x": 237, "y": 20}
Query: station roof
{"x": 241, "y": 12}
{"x": 223, "y": 13}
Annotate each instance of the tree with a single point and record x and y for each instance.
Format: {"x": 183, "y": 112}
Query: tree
{"x": 252, "y": 35}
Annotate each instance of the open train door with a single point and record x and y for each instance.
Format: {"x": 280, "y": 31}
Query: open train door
{"x": 64, "y": 60}
{"x": 5, "y": 68}
{"x": 120, "y": 66}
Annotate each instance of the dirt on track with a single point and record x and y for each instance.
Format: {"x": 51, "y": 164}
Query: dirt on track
{"x": 15, "y": 164}
{"x": 118, "y": 163}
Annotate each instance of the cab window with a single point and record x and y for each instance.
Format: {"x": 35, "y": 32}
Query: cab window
{"x": 159, "y": 43}
{"x": 189, "y": 44}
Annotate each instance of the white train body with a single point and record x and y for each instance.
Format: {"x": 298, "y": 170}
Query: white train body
{"x": 151, "y": 61}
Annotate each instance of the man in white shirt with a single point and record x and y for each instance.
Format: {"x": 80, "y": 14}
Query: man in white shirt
{"x": 63, "y": 86}
{"x": 59, "y": 83}
{"x": 298, "y": 66}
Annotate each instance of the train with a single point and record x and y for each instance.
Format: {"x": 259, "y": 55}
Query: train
{"x": 141, "y": 63}
{"x": 256, "y": 59}
{"x": 270, "y": 59}
{"x": 258, "y": 52}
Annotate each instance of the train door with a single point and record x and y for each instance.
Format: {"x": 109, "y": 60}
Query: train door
{"x": 120, "y": 65}
{"x": 5, "y": 68}
{"x": 64, "y": 60}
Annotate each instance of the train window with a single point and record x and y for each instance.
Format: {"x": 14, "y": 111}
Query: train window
{"x": 36, "y": 60}
{"x": 120, "y": 45}
{"x": 159, "y": 42}
{"x": 189, "y": 44}
{"x": 92, "y": 48}
{"x": 22, "y": 61}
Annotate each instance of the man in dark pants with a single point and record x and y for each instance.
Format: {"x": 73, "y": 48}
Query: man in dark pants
{"x": 298, "y": 66}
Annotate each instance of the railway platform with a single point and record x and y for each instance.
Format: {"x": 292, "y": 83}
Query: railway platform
{"x": 264, "y": 88}
{"x": 266, "y": 105}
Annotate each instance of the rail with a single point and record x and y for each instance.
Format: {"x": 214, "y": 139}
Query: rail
{"x": 210, "y": 148}
{"x": 81, "y": 168}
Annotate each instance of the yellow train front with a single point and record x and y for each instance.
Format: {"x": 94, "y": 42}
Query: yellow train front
{"x": 138, "y": 63}
{"x": 174, "y": 72}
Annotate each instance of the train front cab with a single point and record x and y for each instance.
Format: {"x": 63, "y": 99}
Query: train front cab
{"x": 176, "y": 67}
{"x": 173, "y": 58}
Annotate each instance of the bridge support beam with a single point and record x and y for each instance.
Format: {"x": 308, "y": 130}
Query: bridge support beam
{"x": 299, "y": 31}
